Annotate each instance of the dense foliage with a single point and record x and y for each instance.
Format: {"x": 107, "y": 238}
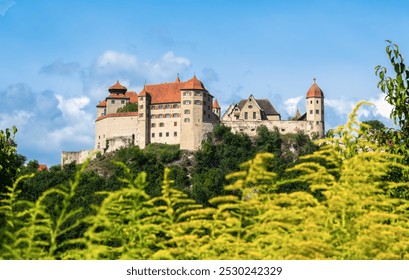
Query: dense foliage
{"x": 10, "y": 161}
{"x": 397, "y": 94}
{"x": 129, "y": 107}
{"x": 289, "y": 199}
{"x": 346, "y": 211}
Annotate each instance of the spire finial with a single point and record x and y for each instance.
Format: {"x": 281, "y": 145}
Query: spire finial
{"x": 315, "y": 79}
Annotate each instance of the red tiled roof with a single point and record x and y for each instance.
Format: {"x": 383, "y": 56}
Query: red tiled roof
{"x": 315, "y": 91}
{"x": 170, "y": 92}
{"x": 117, "y": 96}
{"x": 118, "y": 115}
{"x": 193, "y": 83}
{"x": 216, "y": 104}
{"x": 117, "y": 86}
{"x": 102, "y": 104}
{"x": 133, "y": 96}
{"x": 143, "y": 92}
{"x": 42, "y": 167}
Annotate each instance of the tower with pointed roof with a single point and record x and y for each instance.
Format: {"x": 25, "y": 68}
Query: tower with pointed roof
{"x": 315, "y": 110}
{"x": 195, "y": 109}
{"x": 216, "y": 108}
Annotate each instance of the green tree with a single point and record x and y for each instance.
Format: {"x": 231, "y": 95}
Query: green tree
{"x": 129, "y": 107}
{"x": 396, "y": 88}
{"x": 10, "y": 161}
{"x": 375, "y": 125}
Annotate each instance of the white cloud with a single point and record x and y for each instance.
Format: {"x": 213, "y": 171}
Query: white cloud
{"x": 126, "y": 66}
{"x": 382, "y": 108}
{"x": 16, "y": 118}
{"x": 73, "y": 107}
{"x": 291, "y": 105}
{"x": 340, "y": 106}
{"x": 113, "y": 58}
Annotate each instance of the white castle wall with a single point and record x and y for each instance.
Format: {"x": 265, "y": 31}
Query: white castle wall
{"x": 250, "y": 127}
{"x": 78, "y": 157}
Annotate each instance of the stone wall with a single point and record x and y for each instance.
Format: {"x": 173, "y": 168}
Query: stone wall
{"x": 78, "y": 157}
{"x": 250, "y": 127}
{"x": 113, "y": 127}
{"x": 115, "y": 143}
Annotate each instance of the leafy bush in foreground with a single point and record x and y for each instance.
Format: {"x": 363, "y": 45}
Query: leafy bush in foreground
{"x": 347, "y": 211}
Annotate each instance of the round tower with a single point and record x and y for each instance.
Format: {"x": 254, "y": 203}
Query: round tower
{"x": 193, "y": 110}
{"x": 144, "y": 118}
{"x": 315, "y": 111}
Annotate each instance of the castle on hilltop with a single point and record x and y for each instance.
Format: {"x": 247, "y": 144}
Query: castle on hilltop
{"x": 184, "y": 113}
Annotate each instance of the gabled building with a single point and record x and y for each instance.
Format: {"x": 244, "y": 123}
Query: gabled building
{"x": 248, "y": 114}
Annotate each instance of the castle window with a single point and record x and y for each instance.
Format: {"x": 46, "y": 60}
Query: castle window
{"x": 140, "y": 106}
{"x": 175, "y": 124}
{"x": 175, "y": 115}
{"x": 160, "y": 134}
{"x": 167, "y": 134}
{"x": 187, "y": 93}
{"x": 160, "y": 116}
{"x": 167, "y": 106}
{"x": 318, "y": 101}
{"x": 318, "y": 122}
{"x": 208, "y": 107}
{"x": 112, "y": 101}
{"x": 246, "y": 115}
{"x": 153, "y": 124}
{"x": 98, "y": 145}
{"x": 187, "y": 102}
{"x": 250, "y": 106}
{"x": 187, "y": 120}
{"x": 167, "y": 116}
{"x": 317, "y": 111}
{"x": 311, "y": 112}
{"x": 197, "y": 102}
{"x": 198, "y": 93}
{"x": 187, "y": 111}
{"x": 208, "y": 116}
{"x": 175, "y": 133}
{"x": 254, "y": 115}
{"x": 141, "y": 98}
{"x": 99, "y": 136}
{"x": 122, "y": 101}
{"x": 152, "y": 107}
{"x": 161, "y": 124}
{"x": 160, "y": 106}
{"x": 310, "y": 101}
{"x": 282, "y": 130}
{"x": 153, "y": 135}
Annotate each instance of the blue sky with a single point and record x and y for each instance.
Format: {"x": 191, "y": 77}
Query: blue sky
{"x": 58, "y": 58}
